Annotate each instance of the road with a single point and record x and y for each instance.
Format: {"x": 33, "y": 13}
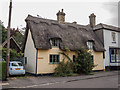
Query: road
{"x": 98, "y": 80}
{"x": 101, "y": 82}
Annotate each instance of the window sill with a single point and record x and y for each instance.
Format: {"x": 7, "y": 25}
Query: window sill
{"x": 114, "y": 62}
{"x": 90, "y": 48}
{"x": 55, "y": 46}
{"x": 54, "y": 63}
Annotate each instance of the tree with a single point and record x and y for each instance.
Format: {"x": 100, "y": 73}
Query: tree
{"x": 14, "y": 33}
{"x": 13, "y": 54}
{"x": 19, "y": 38}
{"x": 3, "y": 32}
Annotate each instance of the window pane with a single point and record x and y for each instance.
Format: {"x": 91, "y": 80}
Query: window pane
{"x": 112, "y": 55}
{"x": 73, "y": 58}
{"x": 57, "y": 58}
{"x": 25, "y": 60}
{"x": 112, "y": 58}
{"x": 113, "y": 36}
{"x": 20, "y": 64}
{"x": 55, "y": 42}
{"x": 92, "y": 58}
{"x": 54, "y": 58}
{"x": 118, "y": 55}
{"x": 15, "y": 64}
{"x": 112, "y": 51}
{"x": 50, "y": 58}
{"x": 58, "y": 43}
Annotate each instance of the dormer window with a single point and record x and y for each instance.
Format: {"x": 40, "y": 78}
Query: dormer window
{"x": 55, "y": 42}
{"x": 113, "y": 37}
{"x": 90, "y": 44}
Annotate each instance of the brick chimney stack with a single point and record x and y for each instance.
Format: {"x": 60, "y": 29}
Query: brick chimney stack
{"x": 92, "y": 20}
{"x": 61, "y": 16}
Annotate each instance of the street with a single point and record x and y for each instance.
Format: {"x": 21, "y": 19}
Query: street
{"x": 98, "y": 80}
{"x": 102, "y": 82}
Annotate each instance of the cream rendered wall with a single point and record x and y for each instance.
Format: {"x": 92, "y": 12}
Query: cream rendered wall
{"x": 30, "y": 53}
{"x": 43, "y": 65}
{"x": 98, "y": 60}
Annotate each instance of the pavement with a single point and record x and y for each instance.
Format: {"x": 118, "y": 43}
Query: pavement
{"x": 32, "y": 81}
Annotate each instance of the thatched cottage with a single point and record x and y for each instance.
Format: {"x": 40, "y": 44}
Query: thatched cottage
{"x": 45, "y": 38}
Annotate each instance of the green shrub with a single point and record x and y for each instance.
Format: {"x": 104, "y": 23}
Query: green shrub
{"x": 83, "y": 63}
{"x": 2, "y": 70}
{"x": 63, "y": 69}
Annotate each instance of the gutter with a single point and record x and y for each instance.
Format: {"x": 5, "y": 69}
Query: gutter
{"x": 36, "y": 61}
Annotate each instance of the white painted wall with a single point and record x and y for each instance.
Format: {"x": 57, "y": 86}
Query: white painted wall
{"x": 30, "y": 53}
{"x": 108, "y": 43}
{"x": 119, "y": 39}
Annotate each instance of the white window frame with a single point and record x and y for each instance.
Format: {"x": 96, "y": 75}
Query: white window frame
{"x": 90, "y": 45}
{"x": 57, "y": 60}
{"x": 114, "y": 57}
{"x": 55, "y": 42}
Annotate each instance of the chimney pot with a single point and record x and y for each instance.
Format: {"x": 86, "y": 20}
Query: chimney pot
{"x": 62, "y": 10}
{"x": 61, "y": 16}
{"x": 74, "y": 22}
{"x": 92, "y": 20}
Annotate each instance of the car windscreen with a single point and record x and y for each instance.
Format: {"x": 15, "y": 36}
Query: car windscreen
{"x": 17, "y": 64}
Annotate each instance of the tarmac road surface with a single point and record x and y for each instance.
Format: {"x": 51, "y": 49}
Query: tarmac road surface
{"x": 101, "y": 82}
{"x": 98, "y": 80}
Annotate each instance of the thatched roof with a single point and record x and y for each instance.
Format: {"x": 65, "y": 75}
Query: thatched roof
{"x": 107, "y": 27}
{"x": 72, "y": 36}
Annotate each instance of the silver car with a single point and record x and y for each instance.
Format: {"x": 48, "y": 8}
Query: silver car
{"x": 16, "y": 68}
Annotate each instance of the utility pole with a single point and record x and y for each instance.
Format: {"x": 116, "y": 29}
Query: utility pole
{"x": 8, "y": 41}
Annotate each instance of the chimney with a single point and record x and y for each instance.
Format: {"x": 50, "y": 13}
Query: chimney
{"x": 61, "y": 16}
{"x": 92, "y": 20}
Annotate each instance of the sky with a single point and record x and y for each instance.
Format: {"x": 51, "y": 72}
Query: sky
{"x": 106, "y": 11}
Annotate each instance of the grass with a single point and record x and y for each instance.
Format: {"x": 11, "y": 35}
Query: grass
{"x": 27, "y": 75}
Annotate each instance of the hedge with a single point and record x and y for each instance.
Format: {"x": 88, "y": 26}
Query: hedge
{"x": 2, "y": 70}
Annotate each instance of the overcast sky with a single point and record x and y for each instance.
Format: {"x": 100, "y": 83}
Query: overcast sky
{"x": 106, "y": 11}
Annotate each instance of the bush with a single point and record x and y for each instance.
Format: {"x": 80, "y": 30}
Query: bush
{"x": 63, "y": 69}
{"x": 83, "y": 63}
{"x": 2, "y": 70}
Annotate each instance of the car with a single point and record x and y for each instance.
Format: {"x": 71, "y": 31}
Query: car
{"x": 16, "y": 68}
